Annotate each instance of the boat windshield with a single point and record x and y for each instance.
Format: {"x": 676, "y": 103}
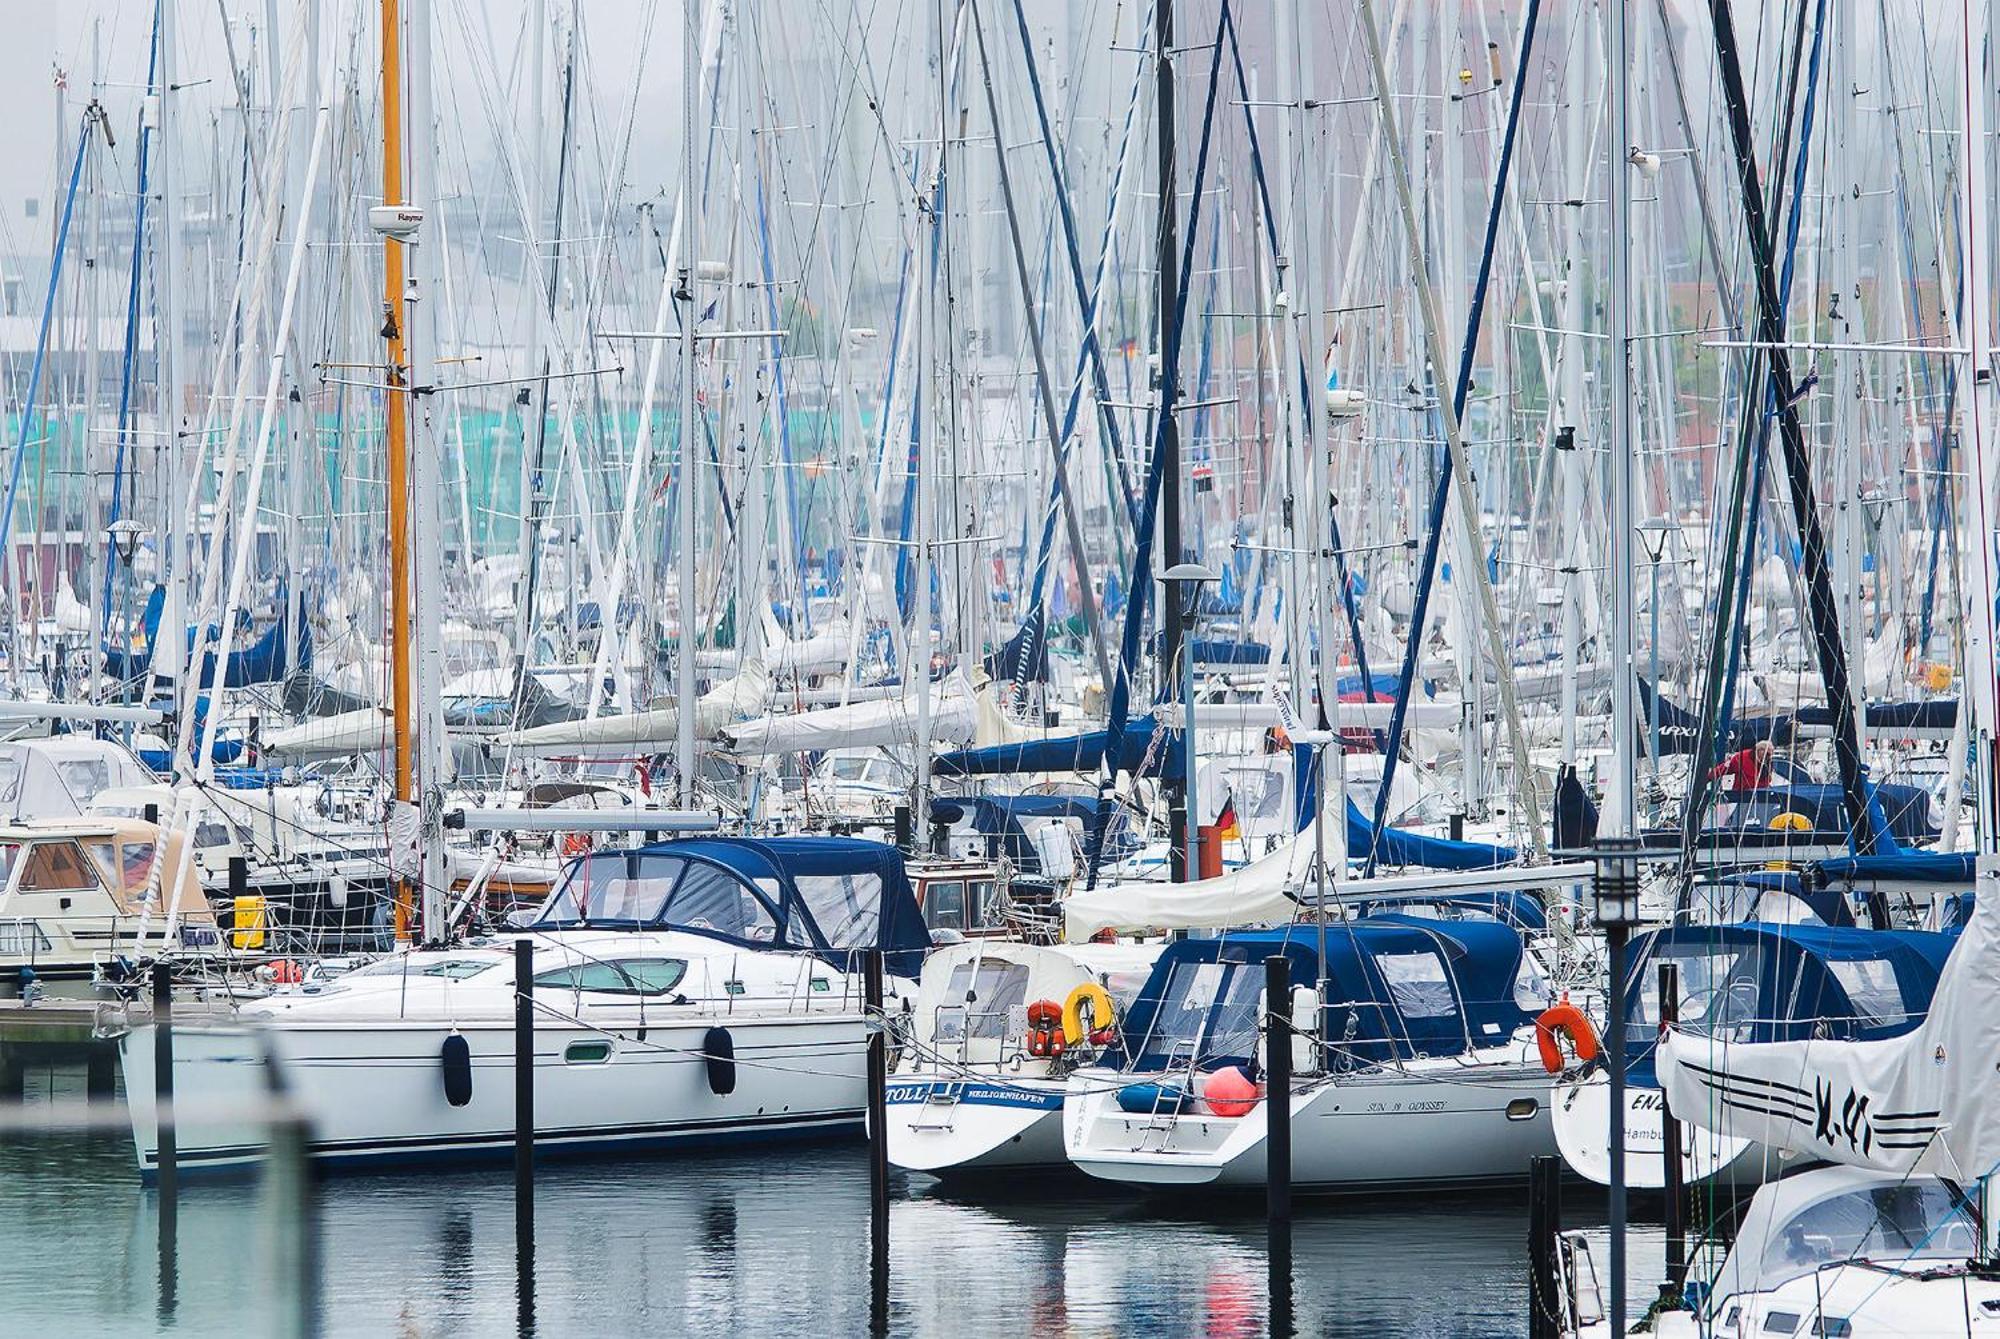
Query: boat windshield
{"x": 1208, "y": 1010}
{"x": 1913, "y": 1220}
{"x": 614, "y": 887}
{"x": 1719, "y": 992}
{"x": 979, "y": 999}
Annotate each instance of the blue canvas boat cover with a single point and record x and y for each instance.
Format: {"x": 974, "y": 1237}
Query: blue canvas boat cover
{"x": 1396, "y": 987}
{"x": 1067, "y": 753}
{"x": 1761, "y": 982}
{"x": 1399, "y": 847}
{"x": 836, "y": 896}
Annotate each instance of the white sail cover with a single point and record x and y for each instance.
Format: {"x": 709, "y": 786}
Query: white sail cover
{"x": 1923, "y": 1102}
{"x": 646, "y": 731}
{"x": 368, "y": 730}
{"x": 886, "y": 721}
{"x": 1263, "y": 891}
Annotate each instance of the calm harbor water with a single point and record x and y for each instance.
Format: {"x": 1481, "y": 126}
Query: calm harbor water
{"x": 767, "y": 1242}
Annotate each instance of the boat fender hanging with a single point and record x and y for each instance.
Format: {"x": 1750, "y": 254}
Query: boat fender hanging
{"x": 1100, "y": 1030}
{"x": 720, "y": 1049}
{"x": 456, "y": 1060}
{"x": 1571, "y": 1021}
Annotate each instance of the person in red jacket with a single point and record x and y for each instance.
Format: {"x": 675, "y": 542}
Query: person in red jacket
{"x": 1745, "y": 769}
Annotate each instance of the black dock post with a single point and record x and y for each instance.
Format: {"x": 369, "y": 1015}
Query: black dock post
{"x": 13, "y": 1074}
{"x": 1670, "y": 1147}
{"x": 524, "y": 1128}
{"x": 163, "y": 1091}
{"x": 878, "y": 1144}
{"x": 100, "y": 1081}
{"x": 1544, "y": 1226}
{"x": 167, "y": 1161}
{"x": 1278, "y": 1138}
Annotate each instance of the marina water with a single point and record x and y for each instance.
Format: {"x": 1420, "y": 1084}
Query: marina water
{"x": 761, "y": 1241}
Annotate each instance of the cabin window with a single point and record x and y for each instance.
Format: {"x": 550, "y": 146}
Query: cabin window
{"x": 587, "y": 1052}
{"x": 944, "y": 905}
{"x": 136, "y": 865}
{"x": 450, "y": 969}
{"x": 1871, "y": 987}
{"x": 977, "y": 1000}
{"x": 978, "y": 901}
{"x": 651, "y": 976}
{"x": 846, "y": 907}
{"x": 601, "y": 977}
{"x": 56, "y": 867}
{"x": 1418, "y": 983}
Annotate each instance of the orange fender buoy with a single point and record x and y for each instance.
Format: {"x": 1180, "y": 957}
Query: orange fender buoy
{"x": 1567, "y": 1019}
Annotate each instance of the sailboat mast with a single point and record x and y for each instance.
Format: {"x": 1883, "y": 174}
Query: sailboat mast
{"x": 398, "y": 443}
{"x": 684, "y": 746}
{"x": 1167, "y": 258}
{"x": 1621, "y": 814}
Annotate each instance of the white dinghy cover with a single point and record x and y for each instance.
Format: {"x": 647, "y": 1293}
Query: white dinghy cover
{"x": 1922, "y": 1102}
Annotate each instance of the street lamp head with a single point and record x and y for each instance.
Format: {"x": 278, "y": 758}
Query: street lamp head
{"x": 1617, "y": 861}
{"x": 125, "y": 536}
{"x": 1653, "y": 534}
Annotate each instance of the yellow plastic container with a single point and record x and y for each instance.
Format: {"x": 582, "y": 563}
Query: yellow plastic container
{"x": 250, "y": 922}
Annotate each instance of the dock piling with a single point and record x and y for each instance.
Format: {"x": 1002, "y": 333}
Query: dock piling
{"x": 1670, "y": 1147}
{"x": 13, "y": 1074}
{"x": 1278, "y": 1138}
{"x": 524, "y": 1133}
{"x": 878, "y": 1143}
{"x": 163, "y": 1093}
{"x": 524, "y": 1097}
{"x": 1544, "y": 1226}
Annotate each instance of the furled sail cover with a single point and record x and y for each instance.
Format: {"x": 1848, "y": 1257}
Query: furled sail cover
{"x": 886, "y": 721}
{"x": 1263, "y": 892}
{"x": 1919, "y": 1102}
{"x": 647, "y": 731}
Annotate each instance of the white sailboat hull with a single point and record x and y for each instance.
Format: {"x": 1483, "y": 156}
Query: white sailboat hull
{"x": 944, "y": 1126}
{"x": 1392, "y": 1131}
{"x": 375, "y": 1093}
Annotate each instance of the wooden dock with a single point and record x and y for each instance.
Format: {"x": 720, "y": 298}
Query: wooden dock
{"x": 55, "y": 1031}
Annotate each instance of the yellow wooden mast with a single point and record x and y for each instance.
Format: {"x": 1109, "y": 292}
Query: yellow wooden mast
{"x": 400, "y": 587}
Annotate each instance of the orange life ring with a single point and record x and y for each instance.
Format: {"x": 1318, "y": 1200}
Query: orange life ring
{"x": 1569, "y": 1020}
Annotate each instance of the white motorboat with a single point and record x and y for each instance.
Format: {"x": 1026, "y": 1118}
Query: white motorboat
{"x": 982, "y": 1078}
{"x": 82, "y": 899}
{"x": 1413, "y": 1047}
{"x": 686, "y": 992}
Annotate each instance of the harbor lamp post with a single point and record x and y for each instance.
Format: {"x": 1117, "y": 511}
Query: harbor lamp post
{"x": 1184, "y": 582}
{"x": 1617, "y": 911}
{"x": 1653, "y": 534}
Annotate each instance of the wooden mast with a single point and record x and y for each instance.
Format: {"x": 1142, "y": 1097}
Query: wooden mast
{"x": 393, "y": 323}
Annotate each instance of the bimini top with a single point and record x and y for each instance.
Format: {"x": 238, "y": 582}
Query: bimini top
{"x": 1762, "y": 982}
{"x": 836, "y": 896}
{"x": 1397, "y": 987}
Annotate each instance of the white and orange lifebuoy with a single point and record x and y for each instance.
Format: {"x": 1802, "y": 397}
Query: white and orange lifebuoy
{"x": 1566, "y": 1019}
